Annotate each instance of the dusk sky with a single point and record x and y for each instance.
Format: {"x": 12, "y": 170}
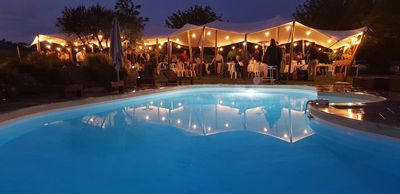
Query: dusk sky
{"x": 20, "y": 20}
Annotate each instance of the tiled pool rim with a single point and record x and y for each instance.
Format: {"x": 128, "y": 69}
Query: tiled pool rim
{"x": 24, "y": 113}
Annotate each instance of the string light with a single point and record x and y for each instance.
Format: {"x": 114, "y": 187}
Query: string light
{"x": 178, "y": 121}
{"x": 329, "y": 41}
{"x": 308, "y": 33}
{"x": 307, "y": 44}
{"x": 221, "y": 49}
{"x": 140, "y": 47}
{"x": 150, "y": 48}
{"x": 226, "y": 37}
{"x": 266, "y": 34}
{"x": 48, "y": 46}
{"x": 58, "y": 49}
{"x": 295, "y": 44}
{"x": 193, "y": 35}
{"x": 265, "y": 129}
{"x": 68, "y": 49}
{"x": 256, "y": 46}
{"x": 244, "y": 43}
{"x": 288, "y": 28}
{"x": 179, "y": 46}
{"x": 208, "y": 33}
{"x": 76, "y": 43}
{"x": 233, "y": 47}
{"x": 177, "y": 40}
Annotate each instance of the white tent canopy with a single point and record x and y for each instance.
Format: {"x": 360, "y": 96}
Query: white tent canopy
{"x": 220, "y": 33}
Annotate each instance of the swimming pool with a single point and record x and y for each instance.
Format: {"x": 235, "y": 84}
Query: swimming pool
{"x": 195, "y": 140}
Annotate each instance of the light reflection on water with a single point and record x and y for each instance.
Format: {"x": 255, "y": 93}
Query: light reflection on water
{"x": 274, "y": 115}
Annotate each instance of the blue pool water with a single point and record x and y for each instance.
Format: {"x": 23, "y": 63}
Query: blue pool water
{"x": 202, "y": 140}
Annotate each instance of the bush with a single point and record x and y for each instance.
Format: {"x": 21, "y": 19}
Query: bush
{"x": 99, "y": 70}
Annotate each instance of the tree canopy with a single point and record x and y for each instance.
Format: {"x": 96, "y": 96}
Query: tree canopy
{"x": 88, "y": 22}
{"x": 197, "y": 15}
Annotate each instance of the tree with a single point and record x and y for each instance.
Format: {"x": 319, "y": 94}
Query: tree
{"x": 381, "y": 16}
{"x": 197, "y": 15}
{"x": 72, "y": 21}
{"x": 131, "y": 23}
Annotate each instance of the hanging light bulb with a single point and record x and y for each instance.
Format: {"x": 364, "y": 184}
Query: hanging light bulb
{"x": 266, "y": 34}
{"x": 233, "y": 47}
{"x": 226, "y": 37}
{"x": 209, "y": 33}
{"x": 288, "y": 28}
{"x": 308, "y": 33}
{"x": 193, "y": 35}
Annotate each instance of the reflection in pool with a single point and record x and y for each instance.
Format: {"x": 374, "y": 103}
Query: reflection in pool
{"x": 269, "y": 114}
{"x": 207, "y": 140}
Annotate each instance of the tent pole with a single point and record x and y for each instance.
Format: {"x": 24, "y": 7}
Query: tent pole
{"x": 291, "y": 46}
{"x": 216, "y": 51}
{"x": 18, "y": 53}
{"x": 157, "y": 51}
{"x": 38, "y": 49}
{"x": 190, "y": 46}
{"x": 353, "y": 58}
{"x": 245, "y": 46}
{"x": 277, "y": 34}
{"x": 202, "y": 45}
{"x": 302, "y": 47}
{"x": 169, "y": 52}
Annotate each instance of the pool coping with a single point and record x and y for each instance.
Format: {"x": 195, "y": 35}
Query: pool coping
{"x": 367, "y": 126}
{"x": 24, "y": 113}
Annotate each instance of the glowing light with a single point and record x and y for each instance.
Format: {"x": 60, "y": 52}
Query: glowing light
{"x": 295, "y": 44}
{"x": 193, "y": 35}
{"x": 334, "y": 51}
{"x": 84, "y": 48}
{"x": 308, "y": 33}
{"x": 226, "y": 37}
{"x": 150, "y": 48}
{"x": 221, "y": 102}
{"x": 209, "y": 129}
{"x": 307, "y": 44}
{"x": 305, "y": 131}
{"x": 62, "y": 44}
{"x": 320, "y": 49}
{"x": 179, "y": 104}
{"x": 329, "y": 41}
{"x": 91, "y": 46}
{"x": 288, "y": 28}
{"x": 58, "y": 49}
{"x": 194, "y": 126}
{"x": 178, "y": 121}
{"x": 208, "y": 33}
{"x": 177, "y": 40}
{"x": 163, "y": 118}
{"x": 147, "y": 117}
{"x": 68, "y": 49}
{"x": 233, "y": 47}
{"x": 233, "y": 103}
{"x": 221, "y": 49}
{"x": 48, "y": 46}
{"x": 285, "y": 135}
{"x": 256, "y": 46}
{"x": 161, "y": 103}
{"x": 265, "y": 129}
{"x": 179, "y": 46}
{"x": 140, "y": 47}
{"x": 76, "y": 43}
{"x": 145, "y": 44}
{"x": 266, "y": 34}
{"x": 244, "y": 43}
{"x": 160, "y": 47}
{"x": 226, "y": 125}
{"x": 151, "y": 102}
{"x": 76, "y": 49}
{"x": 50, "y": 42}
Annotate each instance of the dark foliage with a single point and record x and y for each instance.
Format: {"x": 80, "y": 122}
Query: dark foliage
{"x": 197, "y": 15}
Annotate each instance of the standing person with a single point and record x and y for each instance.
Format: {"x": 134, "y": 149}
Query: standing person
{"x": 219, "y": 60}
{"x": 80, "y": 57}
{"x": 312, "y": 61}
{"x": 273, "y": 57}
{"x": 184, "y": 55}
